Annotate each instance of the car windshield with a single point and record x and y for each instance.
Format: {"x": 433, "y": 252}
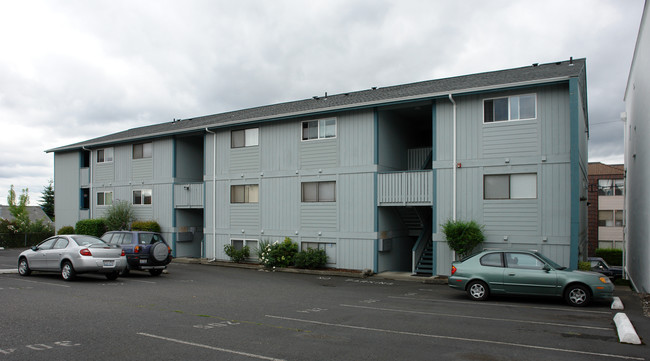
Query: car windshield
{"x": 551, "y": 263}
{"x": 87, "y": 240}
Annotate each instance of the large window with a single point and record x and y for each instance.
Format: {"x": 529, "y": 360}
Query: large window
{"x": 510, "y": 108}
{"x": 319, "y": 192}
{"x": 244, "y": 138}
{"x": 610, "y": 218}
{"x": 247, "y": 193}
{"x": 142, "y": 150}
{"x": 142, "y": 197}
{"x": 510, "y": 186}
{"x": 104, "y": 155}
{"x": 611, "y": 187}
{"x": 104, "y": 198}
{"x": 319, "y": 129}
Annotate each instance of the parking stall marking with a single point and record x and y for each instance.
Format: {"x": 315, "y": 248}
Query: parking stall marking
{"x": 261, "y": 357}
{"x": 480, "y": 318}
{"x": 44, "y": 283}
{"x": 453, "y": 338}
{"x": 495, "y": 304}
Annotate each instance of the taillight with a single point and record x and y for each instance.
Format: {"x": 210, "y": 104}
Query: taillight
{"x": 123, "y": 254}
{"x": 169, "y": 250}
{"x": 85, "y": 252}
{"x": 453, "y": 270}
{"x": 137, "y": 249}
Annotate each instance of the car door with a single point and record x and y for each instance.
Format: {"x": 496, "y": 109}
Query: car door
{"x": 54, "y": 255}
{"x": 526, "y": 274}
{"x": 38, "y": 259}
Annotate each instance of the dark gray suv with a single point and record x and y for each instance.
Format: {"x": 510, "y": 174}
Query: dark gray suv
{"x": 144, "y": 250}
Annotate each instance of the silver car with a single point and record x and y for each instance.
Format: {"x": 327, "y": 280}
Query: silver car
{"x": 71, "y": 255}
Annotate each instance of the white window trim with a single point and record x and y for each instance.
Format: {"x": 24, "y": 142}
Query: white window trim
{"x": 509, "y": 187}
{"x": 245, "y": 145}
{"x": 246, "y": 196}
{"x": 319, "y": 182}
{"x": 141, "y": 197}
{"x": 336, "y": 129}
{"x": 509, "y": 110}
{"x": 105, "y": 161}
{"x": 142, "y": 144}
{"x": 104, "y": 193}
{"x": 253, "y": 252}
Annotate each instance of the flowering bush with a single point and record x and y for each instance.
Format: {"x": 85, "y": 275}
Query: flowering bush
{"x": 277, "y": 254}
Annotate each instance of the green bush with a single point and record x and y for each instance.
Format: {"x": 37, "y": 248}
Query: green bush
{"x": 91, "y": 227}
{"x": 584, "y": 266}
{"x": 462, "y": 236}
{"x": 277, "y": 254}
{"x": 66, "y": 230}
{"x": 311, "y": 258}
{"x": 119, "y": 216}
{"x": 148, "y": 226}
{"x": 613, "y": 256}
{"x": 237, "y": 255}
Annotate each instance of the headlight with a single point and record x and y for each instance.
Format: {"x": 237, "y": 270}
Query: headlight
{"x": 604, "y": 280}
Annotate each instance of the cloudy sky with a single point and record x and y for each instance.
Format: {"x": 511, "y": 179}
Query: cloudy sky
{"x": 75, "y": 70}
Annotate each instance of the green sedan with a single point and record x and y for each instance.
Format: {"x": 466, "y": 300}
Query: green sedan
{"x": 526, "y": 273}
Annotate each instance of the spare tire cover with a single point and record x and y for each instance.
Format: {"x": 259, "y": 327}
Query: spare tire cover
{"x": 159, "y": 251}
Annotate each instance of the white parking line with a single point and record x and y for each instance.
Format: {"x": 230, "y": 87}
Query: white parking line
{"x": 44, "y": 283}
{"x": 480, "y": 318}
{"x": 210, "y": 347}
{"x": 567, "y": 309}
{"x": 457, "y": 338}
{"x": 150, "y": 282}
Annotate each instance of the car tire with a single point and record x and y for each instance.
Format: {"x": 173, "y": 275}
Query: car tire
{"x": 159, "y": 251}
{"x": 155, "y": 272}
{"x": 577, "y": 295}
{"x": 23, "y": 267}
{"x": 67, "y": 271}
{"x": 125, "y": 271}
{"x": 478, "y": 290}
{"x": 112, "y": 276}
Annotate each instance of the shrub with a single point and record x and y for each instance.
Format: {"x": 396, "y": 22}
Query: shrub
{"x": 237, "y": 255}
{"x": 311, "y": 258}
{"x": 463, "y": 236}
{"x": 119, "y": 216}
{"x": 148, "y": 226}
{"x": 584, "y": 266}
{"x": 613, "y": 256}
{"x": 91, "y": 227}
{"x": 277, "y": 254}
{"x": 66, "y": 230}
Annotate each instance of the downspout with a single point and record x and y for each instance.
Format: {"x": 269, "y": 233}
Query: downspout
{"x": 453, "y": 165}
{"x": 453, "y": 161}
{"x": 90, "y": 190}
{"x": 214, "y": 190}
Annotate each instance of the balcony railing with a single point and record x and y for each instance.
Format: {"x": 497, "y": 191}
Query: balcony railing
{"x": 412, "y": 188}
{"x": 188, "y": 195}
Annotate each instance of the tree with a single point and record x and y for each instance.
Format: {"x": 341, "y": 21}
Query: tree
{"x": 18, "y": 209}
{"x": 463, "y": 237}
{"x": 119, "y": 216}
{"x": 47, "y": 201}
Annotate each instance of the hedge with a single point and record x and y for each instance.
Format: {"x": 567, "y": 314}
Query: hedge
{"x": 91, "y": 227}
{"x": 148, "y": 226}
{"x": 613, "y": 256}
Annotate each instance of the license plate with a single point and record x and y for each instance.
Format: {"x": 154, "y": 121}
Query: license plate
{"x": 143, "y": 261}
{"x": 109, "y": 263}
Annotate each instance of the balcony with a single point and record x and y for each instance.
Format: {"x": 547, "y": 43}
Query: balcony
{"x": 412, "y": 188}
{"x": 188, "y": 195}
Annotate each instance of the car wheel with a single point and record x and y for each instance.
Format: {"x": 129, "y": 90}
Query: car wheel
{"x": 155, "y": 272}
{"x": 478, "y": 290}
{"x": 23, "y": 267}
{"x": 159, "y": 251}
{"x": 577, "y": 295}
{"x": 67, "y": 271}
{"x": 112, "y": 276}
{"x": 125, "y": 271}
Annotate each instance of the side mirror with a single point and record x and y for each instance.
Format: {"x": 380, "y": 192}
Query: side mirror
{"x": 34, "y": 248}
{"x": 546, "y": 268}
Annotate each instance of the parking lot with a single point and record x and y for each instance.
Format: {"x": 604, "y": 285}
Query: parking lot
{"x": 199, "y": 312}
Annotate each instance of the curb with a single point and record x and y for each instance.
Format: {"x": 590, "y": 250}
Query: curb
{"x": 617, "y": 304}
{"x": 626, "y": 332}
{"x": 8, "y": 271}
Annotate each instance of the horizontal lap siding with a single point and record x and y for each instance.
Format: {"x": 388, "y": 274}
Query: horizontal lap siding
{"x": 516, "y": 138}
{"x": 319, "y": 154}
{"x": 245, "y": 215}
{"x": 245, "y": 159}
{"x": 511, "y": 217}
{"x": 319, "y": 216}
{"x": 142, "y": 169}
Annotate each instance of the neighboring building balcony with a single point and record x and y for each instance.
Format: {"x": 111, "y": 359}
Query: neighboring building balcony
{"x": 410, "y": 188}
{"x": 188, "y": 195}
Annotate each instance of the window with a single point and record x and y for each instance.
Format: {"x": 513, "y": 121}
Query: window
{"x": 247, "y": 193}
{"x": 319, "y": 129}
{"x": 319, "y": 192}
{"x": 330, "y": 249}
{"x": 524, "y": 261}
{"x": 142, "y": 197}
{"x": 244, "y": 138}
{"x": 104, "y": 155}
{"x": 619, "y": 186}
{"x": 104, "y": 198}
{"x": 610, "y": 244}
{"x": 510, "y": 108}
{"x": 610, "y": 218}
{"x": 492, "y": 260}
{"x": 142, "y": 150}
{"x": 510, "y": 186}
{"x": 252, "y": 244}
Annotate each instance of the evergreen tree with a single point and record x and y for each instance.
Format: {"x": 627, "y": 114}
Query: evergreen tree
{"x": 47, "y": 200}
